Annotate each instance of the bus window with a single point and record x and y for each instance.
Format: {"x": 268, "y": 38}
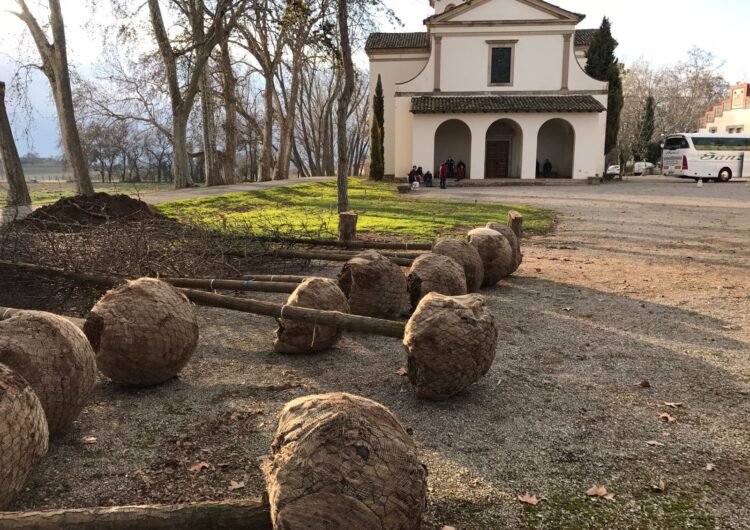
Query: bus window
{"x": 721, "y": 144}
{"x": 676, "y": 143}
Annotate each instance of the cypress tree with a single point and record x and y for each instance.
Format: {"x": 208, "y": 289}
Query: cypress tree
{"x": 602, "y": 65}
{"x": 647, "y": 128}
{"x": 378, "y": 107}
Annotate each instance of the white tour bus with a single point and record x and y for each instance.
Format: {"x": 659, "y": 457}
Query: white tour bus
{"x": 706, "y": 156}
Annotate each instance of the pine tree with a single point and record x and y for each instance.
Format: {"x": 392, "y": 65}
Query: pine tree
{"x": 378, "y": 106}
{"x": 602, "y": 65}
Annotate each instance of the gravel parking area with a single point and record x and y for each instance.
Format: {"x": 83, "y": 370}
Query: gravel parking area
{"x": 636, "y": 306}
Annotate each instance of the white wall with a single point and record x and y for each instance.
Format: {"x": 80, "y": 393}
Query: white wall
{"x": 393, "y": 68}
{"x": 501, "y": 10}
{"x": 730, "y": 118}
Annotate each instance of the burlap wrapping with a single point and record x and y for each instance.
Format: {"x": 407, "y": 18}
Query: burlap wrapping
{"x": 434, "y": 273}
{"x": 374, "y": 285}
{"x": 23, "y": 433}
{"x": 299, "y": 338}
{"x": 143, "y": 332}
{"x": 463, "y": 253}
{"x": 55, "y": 358}
{"x": 334, "y": 454}
{"x": 496, "y": 253}
{"x": 515, "y": 244}
{"x": 451, "y": 344}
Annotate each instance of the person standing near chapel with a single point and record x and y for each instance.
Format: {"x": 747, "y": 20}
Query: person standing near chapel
{"x": 451, "y": 165}
{"x": 443, "y": 176}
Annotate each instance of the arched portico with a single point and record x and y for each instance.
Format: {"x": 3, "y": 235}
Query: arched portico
{"x": 452, "y": 139}
{"x": 504, "y": 150}
{"x": 556, "y": 143}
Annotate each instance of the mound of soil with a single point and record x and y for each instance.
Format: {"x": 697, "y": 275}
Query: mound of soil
{"x": 96, "y": 209}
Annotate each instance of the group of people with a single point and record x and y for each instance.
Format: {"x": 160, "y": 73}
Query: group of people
{"x": 448, "y": 170}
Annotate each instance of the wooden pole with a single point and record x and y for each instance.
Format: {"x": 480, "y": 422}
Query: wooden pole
{"x": 365, "y": 245}
{"x": 276, "y": 278}
{"x": 247, "y": 514}
{"x": 233, "y": 285}
{"x": 515, "y": 222}
{"x": 376, "y": 326}
{"x": 333, "y": 256}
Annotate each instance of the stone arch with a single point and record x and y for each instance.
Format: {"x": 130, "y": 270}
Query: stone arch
{"x": 452, "y": 139}
{"x": 504, "y": 150}
{"x": 557, "y": 143}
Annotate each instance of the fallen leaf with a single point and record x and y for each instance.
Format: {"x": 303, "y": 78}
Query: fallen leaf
{"x": 568, "y": 309}
{"x": 538, "y": 270}
{"x": 89, "y": 440}
{"x": 673, "y": 405}
{"x": 659, "y": 487}
{"x": 403, "y": 371}
{"x": 654, "y": 443}
{"x": 597, "y": 491}
{"x": 199, "y": 466}
{"x": 234, "y": 485}
{"x": 643, "y": 384}
{"x": 728, "y": 328}
{"x": 667, "y": 417}
{"x": 710, "y": 467}
{"x": 533, "y": 500}
{"x": 609, "y": 497}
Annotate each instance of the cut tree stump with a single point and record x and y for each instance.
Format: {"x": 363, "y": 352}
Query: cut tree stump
{"x": 515, "y": 222}
{"x": 246, "y": 514}
{"x": 348, "y": 226}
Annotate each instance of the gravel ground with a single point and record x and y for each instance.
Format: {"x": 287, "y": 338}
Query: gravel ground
{"x": 639, "y": 282}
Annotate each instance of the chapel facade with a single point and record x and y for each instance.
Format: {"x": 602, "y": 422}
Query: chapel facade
{"x": 497, "y": 84}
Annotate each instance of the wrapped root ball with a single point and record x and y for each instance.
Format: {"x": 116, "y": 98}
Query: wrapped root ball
{"x": 341, "y": 462}
{"x": 298, "y": 338}
{"x": 374, "y": 285}
{"x": 496, "y": 253}
{"x": 23, "y": 433}
{"x": 434, "y": 273}
{"x": 450, "y": 343}
{"x": 515, "y": 244}
{"x": 55, "y": 358}
{"x": 143, "y": 332}
{"x": 463, "y": 253}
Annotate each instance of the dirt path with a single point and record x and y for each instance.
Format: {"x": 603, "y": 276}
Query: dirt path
{"x": 638, "y": 282}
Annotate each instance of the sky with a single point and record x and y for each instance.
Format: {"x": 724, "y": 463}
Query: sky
{"x": 662, "y": 31}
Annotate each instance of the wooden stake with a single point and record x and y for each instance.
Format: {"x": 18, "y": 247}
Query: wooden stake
{"x": 233, "y": 285}
{"x": 333, "y": 256}
{"x": 344, "y": 244}
{"x": 515, "y": 222}
{"x": 376, "y": 326}
{"x": 248, "y": 514}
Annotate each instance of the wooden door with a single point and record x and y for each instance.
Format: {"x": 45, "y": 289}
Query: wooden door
{"x": 497, "y": 164}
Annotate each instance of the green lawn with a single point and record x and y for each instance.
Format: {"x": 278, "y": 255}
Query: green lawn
{"x": 311, "y": 209}
{"x": 47, "y": 192}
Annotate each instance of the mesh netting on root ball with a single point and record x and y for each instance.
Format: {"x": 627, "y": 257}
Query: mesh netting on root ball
{"x": 23, "y": 433}
{"x": 298, "y": 338}
{"x": 463, "y": 253}
{"x": 496, "y": 253}
{"x": 515, "y": 244}
{"x": 56, "y": 359}
{"x": 374, "y": 285}
{"x": 434, "y": 273}
{"x": 143, "y": 332}
{"x": 338, "y": 456}
{"x": 450, "y": 343}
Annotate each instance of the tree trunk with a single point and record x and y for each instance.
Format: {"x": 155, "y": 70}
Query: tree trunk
{"x": 343, "y": 106}
{"x": 181, "y": 167}
{"x": 230, "y": 108}
{"x": 210, "y": 165}
{"x": 266, "y": 169}
{"x": 18, "y": 192}
{"x": 347, "y": 226}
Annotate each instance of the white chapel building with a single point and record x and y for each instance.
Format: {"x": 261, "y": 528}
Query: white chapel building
{"x": 497, "y": 84}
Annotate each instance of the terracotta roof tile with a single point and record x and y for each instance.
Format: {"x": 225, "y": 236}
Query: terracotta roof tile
{"x": 500, "y": 103}
{"x": 584, "y": 37}
{"x": 395, "y": 41}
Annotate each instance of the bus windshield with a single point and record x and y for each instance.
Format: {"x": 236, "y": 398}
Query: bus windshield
{"x": 676, "y": 142}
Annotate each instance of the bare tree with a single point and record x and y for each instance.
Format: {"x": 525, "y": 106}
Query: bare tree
{"x": 344, "y": 101}
{"x": 18, "y": 192}
{"x": 54, "y": 56}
